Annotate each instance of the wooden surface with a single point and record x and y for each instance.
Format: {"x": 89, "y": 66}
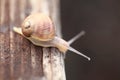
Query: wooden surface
{"x": 19, "y": 58}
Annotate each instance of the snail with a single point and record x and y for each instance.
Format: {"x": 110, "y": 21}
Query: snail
{"x": 40, "y": 30}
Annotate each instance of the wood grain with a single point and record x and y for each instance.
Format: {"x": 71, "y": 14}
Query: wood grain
{"x": 19, "y": 58}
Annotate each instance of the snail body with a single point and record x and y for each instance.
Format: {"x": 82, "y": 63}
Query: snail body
{"x": 39, "y": 29}
{"x": 56, "y": 42}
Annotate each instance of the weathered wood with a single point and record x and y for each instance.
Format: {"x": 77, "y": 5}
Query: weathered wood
{"x": 19, "y": 59}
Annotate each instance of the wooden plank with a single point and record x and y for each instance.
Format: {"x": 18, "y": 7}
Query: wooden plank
{"x": 19, "y": 59}
{"x": 5, "y": 53}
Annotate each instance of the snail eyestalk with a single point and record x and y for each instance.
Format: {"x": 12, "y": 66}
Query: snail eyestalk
{"x": 77, "y": 52}
{"x": 76, "y": 37}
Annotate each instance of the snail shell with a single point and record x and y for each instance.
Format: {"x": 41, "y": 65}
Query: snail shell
{"x": 38, "y": 26}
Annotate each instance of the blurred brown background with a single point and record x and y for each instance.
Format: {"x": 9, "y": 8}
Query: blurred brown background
{"x": 101, "y": 21}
